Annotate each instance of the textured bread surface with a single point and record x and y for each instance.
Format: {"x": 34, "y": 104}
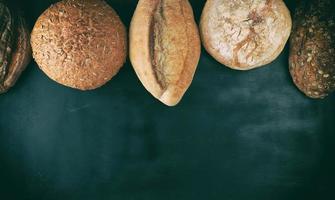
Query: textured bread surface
{"x": 245, "y": 34}
{"x": 80, "y": 44}
{"x": 15, "y": 50}
{"x": 6, "y": 40}
{"x": 164, "y": 47}
{"x": 312, "y": 48}
{"x": 21, "y": 55}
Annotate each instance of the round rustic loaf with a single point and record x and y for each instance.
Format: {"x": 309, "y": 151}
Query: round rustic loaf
{"x": 245, "y": 34}
{"x": 80, "y": 44}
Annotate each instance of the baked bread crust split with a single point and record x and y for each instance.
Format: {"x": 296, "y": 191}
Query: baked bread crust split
{"x": 21, "y": 55}
{"x": 15, "y": 50}
{"x": 164, "y": 47}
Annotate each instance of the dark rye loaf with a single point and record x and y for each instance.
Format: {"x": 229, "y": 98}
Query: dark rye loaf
{"x": 312, "y": 61}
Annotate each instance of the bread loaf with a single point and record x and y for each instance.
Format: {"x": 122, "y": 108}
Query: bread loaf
{"x": 312, "y": 47}
{"x": 80, "y": 44}
{"x": 164, "y": 47}
{"x": 15, "y": 50}
{"x": 245, "y": 34}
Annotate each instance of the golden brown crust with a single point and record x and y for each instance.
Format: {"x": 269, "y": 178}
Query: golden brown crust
{"x": 245, "y": 34}
{"x": 312, "y": 47}
{"x": 164, "y": 47}
{"x": 80, "y": 44}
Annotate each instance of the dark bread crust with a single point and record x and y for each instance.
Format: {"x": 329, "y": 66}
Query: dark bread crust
{"x": 164, "y": 47}
{"x": 6, "y": 40}
{"x": 18, "y": 51}
{"x": 21, "y": 55}
{"x": 312, "y": 43}
{"x": 80, "y": 44}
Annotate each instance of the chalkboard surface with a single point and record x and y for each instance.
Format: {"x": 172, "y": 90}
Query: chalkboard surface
{"x": 235, "y": 136}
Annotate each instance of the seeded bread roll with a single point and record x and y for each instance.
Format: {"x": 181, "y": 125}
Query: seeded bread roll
{"x": 164, "y": 47}
{"x": 80, "y": 44}
{"x": 312, "y": 48}
{"x": 245, "y": 34}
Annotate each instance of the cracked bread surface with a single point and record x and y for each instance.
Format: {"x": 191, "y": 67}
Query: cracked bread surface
{"x": 164, "y": 47}
{"x": 245, "y": 34}
{"x": 80, "y": 44}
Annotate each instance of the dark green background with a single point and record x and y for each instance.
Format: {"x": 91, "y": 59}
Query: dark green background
{"x": 235, "y": 136}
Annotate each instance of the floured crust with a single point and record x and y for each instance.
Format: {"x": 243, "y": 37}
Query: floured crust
{"x": 312, "y": 48}
{"x": 164, "y": 47}
{"x": 80, "y": 44}
{"x": 245, "y": 34}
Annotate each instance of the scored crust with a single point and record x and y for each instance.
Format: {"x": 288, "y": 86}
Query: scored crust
{"x": 21, "y": 55}
{"x": 6, "y": 40}
{"x": 15, "y": 50}
{"x": 80, "y": 44}
{"x": 164, "y": 47}
{"x": 245, "y": 34}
